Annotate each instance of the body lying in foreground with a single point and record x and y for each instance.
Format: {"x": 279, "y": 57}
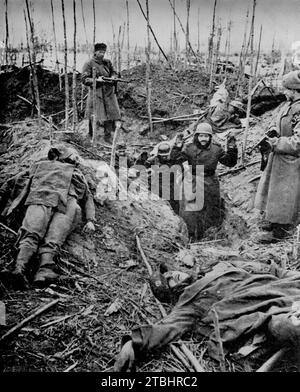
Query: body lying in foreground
{"x": 249, "y": 298}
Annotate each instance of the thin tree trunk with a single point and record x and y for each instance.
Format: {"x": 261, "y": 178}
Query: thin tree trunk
{"x": 182, "y": 28}
{"x": 119, "y": 50}
{"x": 187, "y": 32}
{"x": 6, "y": 32}
{"x": 211, "y": 39}
{"x": 240, "y": 69}
{"x": 66, "y": 68}
{"x": 258, "y": 51}
{"x": 128, "y": 46}
{"x": 55, "y": 46}
{"x": 174, "y": 30}
{"x": 95, "y": 135}
{"x": 148, "y": 69}
{"x": 94, "y": 20}
{"x": 34, "y": 75}
{"x": 30, "y": 65}
{"x": 74, "y": 100}
{"x": 198, "y": 31}
{"x": 115, "y": 56}
{"x": 152, "y": 32}
{"x": 250, "y": 83}
{"x": 84, "y": 26}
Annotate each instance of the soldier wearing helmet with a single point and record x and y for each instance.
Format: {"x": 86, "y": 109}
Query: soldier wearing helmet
{"x": 53, "y": 195}
{"x": 205, "y": 152}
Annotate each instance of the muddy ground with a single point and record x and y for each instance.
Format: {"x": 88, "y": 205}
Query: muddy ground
{"x": 76, "y": 334}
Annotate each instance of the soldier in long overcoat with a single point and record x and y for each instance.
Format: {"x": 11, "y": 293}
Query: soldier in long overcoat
{"x": 278, "y": 193}
{"x": 107, "y": 109}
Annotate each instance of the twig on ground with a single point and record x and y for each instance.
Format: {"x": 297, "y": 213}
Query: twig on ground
{"x": 8, "y": 229}
{"x": 27, "y": 320}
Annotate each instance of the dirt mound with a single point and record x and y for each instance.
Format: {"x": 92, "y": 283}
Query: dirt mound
{"x": 18, "y": 82}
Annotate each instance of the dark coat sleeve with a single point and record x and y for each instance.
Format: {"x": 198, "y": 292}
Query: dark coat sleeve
{"x": 178, "y": 156}
{"x": 228, "y": 158}
{"x": 87, "y": 74}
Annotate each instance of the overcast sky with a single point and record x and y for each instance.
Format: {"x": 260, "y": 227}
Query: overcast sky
{"x": 279, "y": 18}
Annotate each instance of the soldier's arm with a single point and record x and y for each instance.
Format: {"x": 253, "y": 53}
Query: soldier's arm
{"x": 230, "y": 157}
{"x": 112, "y": 71}
{"x": 289, "y": 144}
{"x": 87, "y": 75}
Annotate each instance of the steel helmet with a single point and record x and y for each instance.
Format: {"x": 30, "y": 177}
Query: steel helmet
{"x": 237, "y": 104}
{"x": 204, "y": 128}
{"x": 164, "y": 149}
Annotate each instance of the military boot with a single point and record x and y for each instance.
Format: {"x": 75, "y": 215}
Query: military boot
{"x": 19, "y": 279}
{"x": 46, "y": 273}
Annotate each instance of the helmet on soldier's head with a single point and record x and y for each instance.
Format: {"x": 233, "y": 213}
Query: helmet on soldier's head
{"x": 164, "y": 149}
{"x": 291, "y": 80}
{"x": 204, "y": 128}
{"x": 237, "y": 104}
{"x": 63, "y": 153}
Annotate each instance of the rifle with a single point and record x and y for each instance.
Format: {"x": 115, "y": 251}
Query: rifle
{"x": 112, "y": 80}
{"x": 271, "y": 133}
{"x": 264, "y": 148}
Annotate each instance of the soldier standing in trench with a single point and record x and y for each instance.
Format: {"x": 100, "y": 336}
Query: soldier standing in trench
{"x": 107, "y": 109}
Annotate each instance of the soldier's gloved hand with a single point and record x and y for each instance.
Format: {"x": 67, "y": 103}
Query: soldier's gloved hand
{"x": 125, "y": 359}
{"x": 272, "y": 132}
{"x": 231, "y": 141}
{"x": 89, "y": 227}
{"x": 272, "y": 141}
{"x": 179, "y": 140}
{"x": 100, "y": 79}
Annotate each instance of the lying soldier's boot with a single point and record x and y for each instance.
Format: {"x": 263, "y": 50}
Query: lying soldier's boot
{"x": 267, "y": 237}
{"x": 46, "y": 273}
{"x": 18, "y": 277}
{"x": 265, "y": 225}
{"x": 281, "y": 231}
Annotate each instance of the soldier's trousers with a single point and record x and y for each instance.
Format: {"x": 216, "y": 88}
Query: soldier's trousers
{"x": 45, "y": 229}
{"x": 108, "y": 128}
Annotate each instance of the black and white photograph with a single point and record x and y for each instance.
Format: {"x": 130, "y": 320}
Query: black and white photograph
{"x": 149, "y": 189}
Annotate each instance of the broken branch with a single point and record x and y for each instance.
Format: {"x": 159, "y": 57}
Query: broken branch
{"x": 27, "y": 320}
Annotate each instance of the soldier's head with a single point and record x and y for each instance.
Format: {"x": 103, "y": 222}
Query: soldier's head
{"x": 236, "y": 106}
{"x": 99, "y": 50}
{"x": 163, "y": 152}
{"x": 291, "y": 85}
{"x": 64, "y": 154}
{"x": 203, "y": 135}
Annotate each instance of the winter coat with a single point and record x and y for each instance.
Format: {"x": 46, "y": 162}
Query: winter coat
{"x": 107, "y": 107}
{"x": 51, "y": 183}
{"x": 278, "y": 193}
{"x": 204, "y": 210}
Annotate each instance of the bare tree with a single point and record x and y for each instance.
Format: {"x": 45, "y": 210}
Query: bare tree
{"x": 55, "y": 45}
{"x": 148, "y": 69}
{"x": 128, "y": 46}
{"x": 94, "y": 20}
{"x": 84, "y": 26}
{"x": 33, "y": 57}
{"x": 211, "y": 39}
{"x": 74, "y": 100}
{"x": 66, "y": 68}
{"x": 6, "y": 32}
{"x": 258, "y": 51}
{"x": 250, "y": 82}
{"x": 187, "y": 31}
